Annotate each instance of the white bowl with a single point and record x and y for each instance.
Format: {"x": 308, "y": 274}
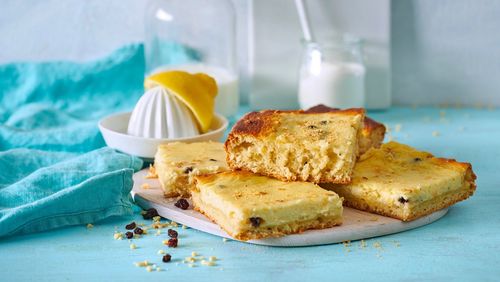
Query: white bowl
{"x": 114, "y": 131}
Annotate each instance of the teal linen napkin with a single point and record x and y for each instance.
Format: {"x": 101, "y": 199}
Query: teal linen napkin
{"x": 52, "y": 172}
{"x": 55, "y": 105}
{"x": 46, "y": 190}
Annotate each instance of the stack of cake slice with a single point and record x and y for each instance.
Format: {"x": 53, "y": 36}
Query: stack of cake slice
{"x": 276, "y": 159}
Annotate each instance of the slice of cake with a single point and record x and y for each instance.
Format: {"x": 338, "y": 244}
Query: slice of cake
{"x": 177, "y": 163}
{"x": 297, "y": 145}
{"x": 248, "y": 206}
{"x": 372, "y": 133}
{"x": 401, "y": 182}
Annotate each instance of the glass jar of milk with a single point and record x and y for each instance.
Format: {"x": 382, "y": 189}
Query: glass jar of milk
{"x": 332, "y": 73}
{"x": 195, "y": 36}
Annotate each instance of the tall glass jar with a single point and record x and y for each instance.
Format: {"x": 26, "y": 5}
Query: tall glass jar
{"x": 195, "y": 36}
{"x": 332, "y": 73}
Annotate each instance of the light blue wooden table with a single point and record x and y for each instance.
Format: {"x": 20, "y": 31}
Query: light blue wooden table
{"x": 462, "y": 246}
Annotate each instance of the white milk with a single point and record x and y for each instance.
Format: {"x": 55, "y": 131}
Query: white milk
{"x": 339, "y": 85}
{"x": 227, "y": 100}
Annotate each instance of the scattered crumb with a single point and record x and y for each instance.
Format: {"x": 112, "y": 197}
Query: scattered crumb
{"x": 397, "y": 244}
{"x": 347, "y": 243}
{"x": 158, "y": 232}
{"x": 157, "y": 225}
{"x": 435, "y": 133}
{"x": 142, "y": 263}
{"x": 118, "y": 236}
{"x": 398, "y": 127}
{"x": 212, "y": 258}
{"x": 190, "y": 259}
{"x": 159, "y": 269}
{"x": 362, "y": 244}
{"x": 161, "y": 252}
{"x": 184, "y": 226}
{"x": 90, "y": 226}
{"x": 193, "y": 254}
{"x": 374, "y": 218}
{"x": 145, "y": 186}
{"x": 152, "y": 172}
{"x": 149, "y": 268}
{"x": 133, "y": 246}
{"x": 377, "y": 245}
{"x": 208, "y": 263}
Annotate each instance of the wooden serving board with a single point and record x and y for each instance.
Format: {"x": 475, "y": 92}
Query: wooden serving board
{"x": 356, "y": 224}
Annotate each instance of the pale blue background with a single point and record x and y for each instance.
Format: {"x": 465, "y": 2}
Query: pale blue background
{"x": 462, "y": 246}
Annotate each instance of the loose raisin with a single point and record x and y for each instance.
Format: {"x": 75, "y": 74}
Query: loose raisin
{"x": 182, "y": 204}
{"x": 130, "y": 226}
{"x": 129, "y": 235}
{"x": 172, "y": 233}
{"x": 188, "y": 169}
{"x": 138, "y": 230}
{"x": 167, "y": 258}
{"x": 213, "y": 160}
{"x": 172, "y": 243}
{"x": 417, "y": 159}
{"x": 150, "y": 213}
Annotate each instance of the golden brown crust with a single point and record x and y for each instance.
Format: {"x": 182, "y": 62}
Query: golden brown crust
{"x": 427, "y": 207}
{"x": 415, "y": 203}
{"x": 369, "y": 124}
{"x": 258, "y": 123}
{"x": 423, "y": 209}
{"x": 372, "y": 134}
{"x": 276, "y": 232}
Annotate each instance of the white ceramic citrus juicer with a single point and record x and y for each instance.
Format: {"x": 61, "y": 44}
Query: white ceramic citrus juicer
{"x": 177, "y": 107}
{"x": 159, "y": 114}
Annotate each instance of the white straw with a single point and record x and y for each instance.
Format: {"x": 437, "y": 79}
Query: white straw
{"x": 304, "y": 20}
